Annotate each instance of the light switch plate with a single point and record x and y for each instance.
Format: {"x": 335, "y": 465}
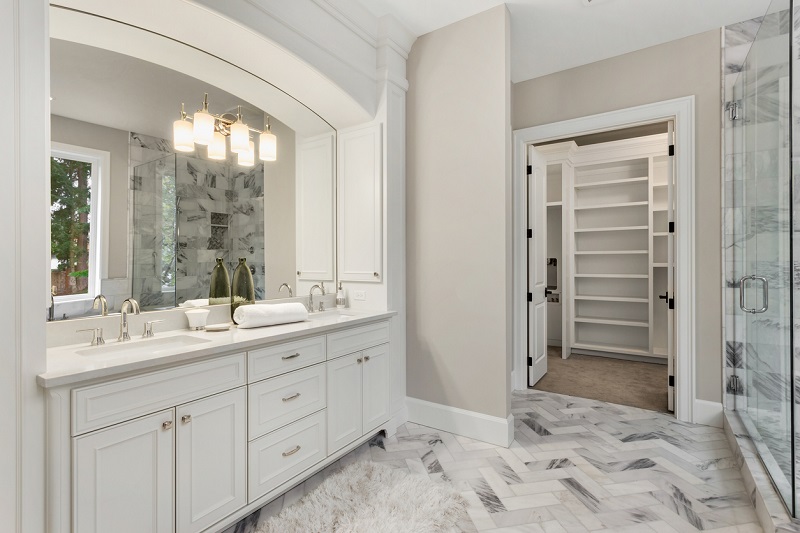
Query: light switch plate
{"x": 360, "y": 295}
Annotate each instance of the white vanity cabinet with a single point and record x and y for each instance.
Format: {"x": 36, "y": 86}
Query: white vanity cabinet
{"x": 196, "y": 445}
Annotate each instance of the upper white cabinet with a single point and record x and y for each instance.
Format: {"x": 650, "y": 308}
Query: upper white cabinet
{"x": 211, "y": 459}
{"x": 360, "y": 204}
{"x": 315, "y": 201}
{"x": 124, "y": 478}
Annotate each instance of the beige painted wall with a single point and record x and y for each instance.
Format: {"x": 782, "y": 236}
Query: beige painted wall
{"x": 689, "y": 66}
{"x": 279, "y": 213}
{"x": 76, "y": 132}
{"x": 459, "y": 216}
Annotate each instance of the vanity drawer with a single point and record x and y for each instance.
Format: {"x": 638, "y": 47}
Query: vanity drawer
{"x": 356, "y": 339}
{"x": 279, "y": 456}
{"x": 276, "y": 360}
{"x": 279, "y": 401}
{"x": 98, "y": 406}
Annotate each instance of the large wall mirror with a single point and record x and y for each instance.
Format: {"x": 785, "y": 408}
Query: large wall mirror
{"x": 139, "y": 211}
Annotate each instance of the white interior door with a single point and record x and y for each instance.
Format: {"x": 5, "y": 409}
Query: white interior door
{"x": 671, "y": 268}
{"x": 537, "y": 266}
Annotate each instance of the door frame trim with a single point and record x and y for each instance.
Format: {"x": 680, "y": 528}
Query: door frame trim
{"x": 682, "y": 111}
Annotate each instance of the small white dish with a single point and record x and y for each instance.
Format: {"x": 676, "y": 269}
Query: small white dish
{"x": 218, "y": 327}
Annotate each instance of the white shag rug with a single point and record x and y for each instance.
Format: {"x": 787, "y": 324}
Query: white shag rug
{"x": 369, "y": 497}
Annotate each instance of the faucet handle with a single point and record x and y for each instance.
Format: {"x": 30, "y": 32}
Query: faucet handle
{"x": 97, "y": 335}
{"x": 148, "y": 328}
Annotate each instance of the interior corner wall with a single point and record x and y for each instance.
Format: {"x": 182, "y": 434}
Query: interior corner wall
{"x": 458, "y": 216}
{"x": 114, "y": 141}
{"x": 689, "y": 66}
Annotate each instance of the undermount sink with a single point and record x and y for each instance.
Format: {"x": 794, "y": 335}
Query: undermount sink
{"x": 154, "y": 347}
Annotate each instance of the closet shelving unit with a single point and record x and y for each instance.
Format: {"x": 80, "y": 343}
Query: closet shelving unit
{"x": 614, "y": 222}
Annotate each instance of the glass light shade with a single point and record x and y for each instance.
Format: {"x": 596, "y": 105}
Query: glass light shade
{"x": 240, "y": 137}
{"x": 267, "y": 146}
{"x": 216, "y": 150}
{"x": 182, "y": 136}
{"x": 203, "y": 128}
{"x": 248, "y": 159}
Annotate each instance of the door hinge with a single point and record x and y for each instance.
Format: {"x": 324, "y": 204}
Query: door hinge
{"x": 733, "y": 110}
{"x": 530, "y": 297}
{"x": 672, "y": 381}
{"x": 530, "y": 170}
{"x": 530, "y": 234}
{"x": 530, "y": 361}
{"x": 672, "y": 227}
{"x": 671, "y": 149}
{"x": 672, "y": 303}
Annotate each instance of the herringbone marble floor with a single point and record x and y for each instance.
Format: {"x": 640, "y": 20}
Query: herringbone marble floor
{"x": 576, "y": 465}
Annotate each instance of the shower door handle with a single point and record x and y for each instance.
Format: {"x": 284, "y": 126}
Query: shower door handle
{"x": 765, "y": 291}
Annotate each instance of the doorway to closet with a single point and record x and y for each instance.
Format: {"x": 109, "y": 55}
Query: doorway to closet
{"x": 601, "y": 266}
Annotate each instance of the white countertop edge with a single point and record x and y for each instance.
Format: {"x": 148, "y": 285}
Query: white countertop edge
{"x": 66, "y": 367}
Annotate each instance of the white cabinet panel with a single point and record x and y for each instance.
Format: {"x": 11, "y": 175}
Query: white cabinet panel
{"x": 123, "y": 477}
{"x": 360, "y": 204}
{"x": 376, "y": 386}
{"x": 279, "y": 456}
{"x": 279, "y": 401}
{"x": 275, "y": 360}
{"x": 344, "y": 401}
{"x": 315, "y": 189}
{"x": 211, "y": 468}
{"x": 101, "y": 405}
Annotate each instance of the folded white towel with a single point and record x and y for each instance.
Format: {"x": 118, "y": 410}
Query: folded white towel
{"x": 256, "y": 316}
{"x": 194, "y": 303}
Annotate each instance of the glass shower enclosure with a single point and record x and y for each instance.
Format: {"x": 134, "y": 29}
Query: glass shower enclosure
{"x": 759, "y": 244}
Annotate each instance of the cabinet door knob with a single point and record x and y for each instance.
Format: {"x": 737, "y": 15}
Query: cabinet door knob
{"x": 358, "y": 360}
{"x": 366, "y": 358}
{"x": 186, "y": 419}
{"x": 292, "y": 451}
{"x": 292, "y": 397}
{"x": 285, "y": 357}
{"x": 376, "y": 274}
{"x": 166, "y": 425}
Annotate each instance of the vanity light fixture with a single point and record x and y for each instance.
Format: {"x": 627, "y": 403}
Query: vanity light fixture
{"x": 209, "y": 129}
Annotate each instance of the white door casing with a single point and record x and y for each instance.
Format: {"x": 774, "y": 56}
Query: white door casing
{"x": 537, "y": 267}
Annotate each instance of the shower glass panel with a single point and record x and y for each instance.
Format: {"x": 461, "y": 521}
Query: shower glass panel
{"x": 761, "y": 133}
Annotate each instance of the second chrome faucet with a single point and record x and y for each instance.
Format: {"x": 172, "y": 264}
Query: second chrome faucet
{"x": 123, "y": 322}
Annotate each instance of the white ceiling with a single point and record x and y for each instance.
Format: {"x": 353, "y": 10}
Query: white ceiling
{"x": 122, "y": 92}
{"x": 552, "y": 35}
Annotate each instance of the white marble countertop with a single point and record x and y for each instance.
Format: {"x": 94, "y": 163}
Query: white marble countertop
{"x": 75, "y": 363}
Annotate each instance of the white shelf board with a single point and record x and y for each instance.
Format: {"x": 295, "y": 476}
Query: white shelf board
{"x": 611, "y": 206}
{"x": 612, "y": 321}
{"x": 660, "y": 265}
{"x": 659, "y": 210}
{"x": 617, "y": 228}
{"x": 554, "y": 204}
{"x": 660, "y": 233}
{"x": 615, "y": 348}
{"x": 612, "y": 252}
{"x": 624, "y": 299}
{"x": 609, "y": 276}
{"x": 610, "y": 183}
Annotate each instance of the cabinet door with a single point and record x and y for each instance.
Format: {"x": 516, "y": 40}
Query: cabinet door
{"x": 315, "y": 178}
{"x": 123, "y": 477}
{"x": 360, "y": 203}
{"x": 344, "y": 401}
{"x": 376, "y": 386}
{"x": 211, "y": 459}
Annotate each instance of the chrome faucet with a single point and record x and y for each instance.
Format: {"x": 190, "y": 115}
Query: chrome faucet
{"x": 311, "y": 297}
{"x": 288, "y": 287}
{"x": 101, "y": 303}
{"x": 123, "y": 324}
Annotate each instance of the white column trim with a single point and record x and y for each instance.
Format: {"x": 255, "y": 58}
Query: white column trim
{"x": 682, "y": 111}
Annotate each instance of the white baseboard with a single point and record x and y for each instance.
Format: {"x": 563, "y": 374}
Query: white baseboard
{"x": 478, "y": 426}
{"x": 708, "y": 413}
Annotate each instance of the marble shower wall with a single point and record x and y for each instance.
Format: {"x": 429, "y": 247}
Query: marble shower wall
{"x": 220, "y": 213}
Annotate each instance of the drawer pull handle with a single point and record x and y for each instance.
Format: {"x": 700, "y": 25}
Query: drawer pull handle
{"x": 358, "y": 360}
{"x": 167, "y": 425}
{"x": 286, "y": 357}
{"x": 292, "y": 451}
{"x": 366, "y": 358}
{"x": 186, "y": 419}
{"x": 292, "y": 397}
